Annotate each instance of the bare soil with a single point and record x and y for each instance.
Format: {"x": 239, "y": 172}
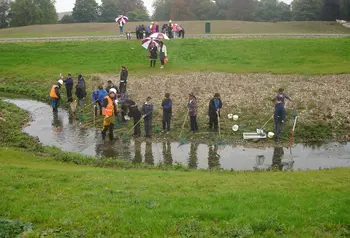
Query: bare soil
{"x": 317, "y": 98}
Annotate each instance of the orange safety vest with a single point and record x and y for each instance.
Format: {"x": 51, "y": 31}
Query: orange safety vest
{"x": 52, "y": 92}
{"x": 110, "y": 107}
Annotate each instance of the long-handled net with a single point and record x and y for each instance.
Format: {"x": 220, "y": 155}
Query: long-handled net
{"x": 219, "y": 141}
{"x": 182, "y": 139}
{"x": 126, "y": 136}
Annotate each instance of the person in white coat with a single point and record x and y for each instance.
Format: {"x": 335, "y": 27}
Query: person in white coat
{"x": 163, "y": 56}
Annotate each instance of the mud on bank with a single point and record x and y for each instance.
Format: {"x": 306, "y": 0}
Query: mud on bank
{"x": 321, "y": 101}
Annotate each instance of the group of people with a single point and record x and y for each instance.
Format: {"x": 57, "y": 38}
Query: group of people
{"x": 80, "y": 91}
{"x": 153, "y": 54}
{"x": 110, "y": 101}
{"x": 172, "y": 30}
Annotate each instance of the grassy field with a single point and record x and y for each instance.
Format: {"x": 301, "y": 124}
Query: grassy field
{"x": 31, "y": 68}
{"x": 69, "y": 200}
{"x": 191, "y": 27}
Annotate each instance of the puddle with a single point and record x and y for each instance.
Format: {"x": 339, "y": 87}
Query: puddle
{"x": 66, "y": 134}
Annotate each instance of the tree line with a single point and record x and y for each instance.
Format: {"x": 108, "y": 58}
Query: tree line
{"x": 30, "y": 12}
{"x": 252, "y": 10}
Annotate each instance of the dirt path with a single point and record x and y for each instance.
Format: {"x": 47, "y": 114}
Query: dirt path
{"x": 214, "y": 36}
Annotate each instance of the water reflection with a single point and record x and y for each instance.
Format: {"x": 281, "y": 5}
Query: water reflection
{"x": 213, "y": 157}
{"x": 167, "y": 156}
{"x": 260, "y": 159}
{"x": 57, "y": 122}
{"x": 277, "y": 158}
{"x": 149, "y": 159}
{"x": 138, "y": 157}
{"x": 192, "y": 157}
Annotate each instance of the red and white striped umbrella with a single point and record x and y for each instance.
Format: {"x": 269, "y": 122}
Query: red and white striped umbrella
{"x": 122, "y": 18}
{"x": 146, "y": 43}
{"x": 159, "y": 36}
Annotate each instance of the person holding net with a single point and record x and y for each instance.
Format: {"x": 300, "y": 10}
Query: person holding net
{"x": 109, "y": 111}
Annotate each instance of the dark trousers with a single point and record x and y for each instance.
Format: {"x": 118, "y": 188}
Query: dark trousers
{"x": 152, "y": 63}
{"x": 194, "y": 125}
{"x": 98, "y": 111}
{"x": 148, "y": 126}
{"x": 162, "y": 62}
{"x": 122, "y": 87}
{"x": 213, "y": 121}
{"x": 278, "y": 128}
{"x": 166, "y": 121}
{"x": 109, "y": 128}
{"x": 137, "y": 128}
{"x": 69, "y": 95}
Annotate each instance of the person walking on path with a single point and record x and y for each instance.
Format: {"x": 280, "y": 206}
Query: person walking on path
{"x": 163, "y": 55}
{"x": 109, "y": 111}
{"x": 279, "y": 117}
{"x": 121, "y": 27}
{"x": 68, "y": 82}
{"x": 192, "y": 111}
{"x": 147, "y": 111}
{"x": 55, "y": 95}
{"x": 80, "y": 91}
{"x": 123, "y": 79}
{"x": 170, "y": 29}
{"x": 215, "y": 106}
{"x": 153, "y": 55}
{"x": 167, "y": 106}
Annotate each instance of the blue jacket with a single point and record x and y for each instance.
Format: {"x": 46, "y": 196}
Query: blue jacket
{"x": 68, "y": 82}
{"x": 99, "y": 95}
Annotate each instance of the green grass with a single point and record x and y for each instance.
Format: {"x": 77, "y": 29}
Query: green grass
{"x": 191, "y": 27}
{"x": 39, "y": 61}
{"x": 72, "y": 200}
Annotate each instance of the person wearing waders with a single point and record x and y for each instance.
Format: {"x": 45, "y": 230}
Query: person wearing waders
{"x": 135, "y": 113}
{"x": 192, "y": 111}
{"x": 279, "y": 117}
{"x": 125, "y": 102}
{"x": 167, "y": 106}
{"x": 123, "y": 79}
{"x": 215, "y": 106}
{"x": 109, "y": 111}
{"x": 55, "y": 95}
{"x": 97, "y": 98}
{"x": 80, "y": 91}
{"x": 68, "y": 82}
{"x": 147, "y": 111}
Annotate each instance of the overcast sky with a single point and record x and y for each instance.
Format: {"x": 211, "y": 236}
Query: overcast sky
{"x": 67, "y": 5}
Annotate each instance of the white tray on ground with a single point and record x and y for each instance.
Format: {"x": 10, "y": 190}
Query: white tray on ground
{"x": 253, "y": 136}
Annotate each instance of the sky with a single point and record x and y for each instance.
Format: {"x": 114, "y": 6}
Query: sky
{"x": 67, "y": 5}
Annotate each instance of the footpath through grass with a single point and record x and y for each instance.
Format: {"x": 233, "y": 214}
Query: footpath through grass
{"x": 72, "y": 200}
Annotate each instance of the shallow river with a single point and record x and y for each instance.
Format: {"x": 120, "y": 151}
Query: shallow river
{"x": 66, "y": 134}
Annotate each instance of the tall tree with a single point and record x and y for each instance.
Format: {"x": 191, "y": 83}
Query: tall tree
{"x": 331, "y": 10}
{"x": 307, "y": 10}
{"x": 345, "y": 9}
{"x": 126, "y": 6}
{"x": 161, "y": 9}
{"x": 272, "y": 10}
{"x": 85, "y": 11}
{"x": 109, "y": 10}
{"x": 30, "y": 12}
{"x": 138, "y": 15}
{"x": 4, "y": 10}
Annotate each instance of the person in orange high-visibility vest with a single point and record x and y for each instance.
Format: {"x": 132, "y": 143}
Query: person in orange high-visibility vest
{"x": 55, "y": 95}
{"x": 109, "y": 111}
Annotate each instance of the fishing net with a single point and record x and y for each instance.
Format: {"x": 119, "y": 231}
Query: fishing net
{"x": 158, "y": 129}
